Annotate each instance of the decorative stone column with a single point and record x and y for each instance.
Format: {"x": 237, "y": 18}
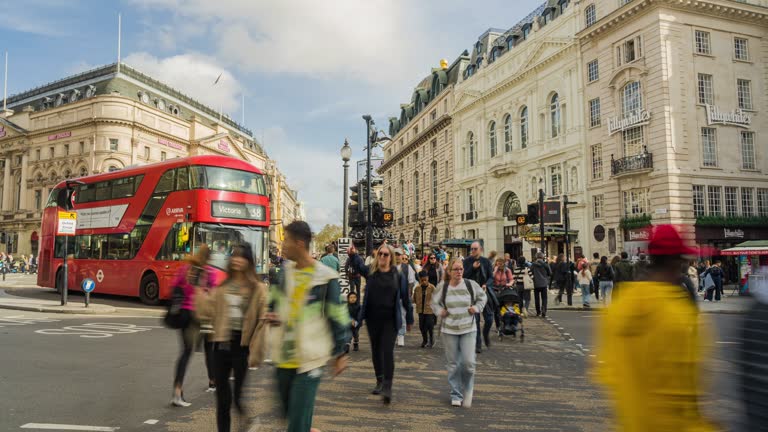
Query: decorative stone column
{"x": 7, "y": 186}
{"x": 24, "y": 175}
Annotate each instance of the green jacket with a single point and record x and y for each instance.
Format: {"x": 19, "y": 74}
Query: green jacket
{"x": 624, "y": 271}
{"x": 323, "y": 327}
{"x": 331, "y": 261}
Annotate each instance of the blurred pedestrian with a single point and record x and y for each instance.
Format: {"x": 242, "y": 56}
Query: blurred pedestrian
{"x": 561, "y": 276}
{"x": 386, "y": 292}
{"x": 194, "y": 274}
{"x": 458, "y": 301}
{"x": 751, "y": 359}
{"x": 640, "y": 270}
{"x": 350, "y": 270}
{"x": 409, "y": 270}
{"x": 693, "y": 274}
{"x": 479, "y": 269}
{"x": 311, "y": 327}
{"x": 605, "y": 276}
{"x": 238, "y": 310}
{"x": 329, "y": 259}
{"x": 584, "y": 278}
{"x": 716, "y": 288}
{"x": 422, "y": 300}
{"x": 523, "y": 283}
{"x": 650, "y": 345}
{"x": 593, "y": 269}
{"x": 542, "y": 274}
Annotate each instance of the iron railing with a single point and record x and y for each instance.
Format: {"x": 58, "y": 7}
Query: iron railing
{"x": 639, "y": 162}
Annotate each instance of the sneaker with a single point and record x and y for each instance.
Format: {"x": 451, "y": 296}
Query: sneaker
{"x": 400, "y": 341}
{"x": 456, "y": 403}
{"x": 179, "y": 402}
{"x": 210, "y": 389}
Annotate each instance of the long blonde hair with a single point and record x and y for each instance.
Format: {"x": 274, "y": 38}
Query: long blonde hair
{"x": 375, "y": 262}
{"x": 449, "y": 270}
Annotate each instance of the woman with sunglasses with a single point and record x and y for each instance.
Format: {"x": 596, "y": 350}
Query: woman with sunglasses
{"x": 434, "y": 270}
{"x": 386, "y": 289}
{"x": 237, "y": 309}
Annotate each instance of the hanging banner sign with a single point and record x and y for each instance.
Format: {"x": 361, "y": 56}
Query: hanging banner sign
{"x": 736, "y": 117}
{"x": 343, "y": 249}
{"x": 616, "y": 124}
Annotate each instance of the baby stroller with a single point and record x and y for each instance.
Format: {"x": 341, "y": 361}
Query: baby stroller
{"x": 512, "y": 319}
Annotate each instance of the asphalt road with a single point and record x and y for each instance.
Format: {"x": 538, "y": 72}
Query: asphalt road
{"x": 722, "y": 401}
{"x": 102, "y": 371}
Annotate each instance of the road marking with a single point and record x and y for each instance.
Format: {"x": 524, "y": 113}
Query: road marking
{"x": 19, "y": 320}
{"x": 151, "y": 421}
{"x": 97, "y": 330}
{"x": 589, "y": 316}
{"x": 723, "y": 342}
{"x": 63, "y": 427}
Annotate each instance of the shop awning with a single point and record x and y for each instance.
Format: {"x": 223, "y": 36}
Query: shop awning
{"x": 752, "y": 247}
{"x": 457, "y": 243}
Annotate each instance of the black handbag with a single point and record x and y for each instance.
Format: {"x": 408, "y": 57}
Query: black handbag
{"x": 175, "y": 316}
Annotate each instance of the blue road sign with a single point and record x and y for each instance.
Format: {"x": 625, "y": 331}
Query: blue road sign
{"x": 88, "y": 285}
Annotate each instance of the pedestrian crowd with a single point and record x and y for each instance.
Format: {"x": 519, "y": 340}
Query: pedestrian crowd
{"x": 303, "y": 322}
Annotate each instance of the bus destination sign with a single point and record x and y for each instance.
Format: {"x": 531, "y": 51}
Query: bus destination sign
{"x": 233, "y": 210}
{"x": 67, "y": 224}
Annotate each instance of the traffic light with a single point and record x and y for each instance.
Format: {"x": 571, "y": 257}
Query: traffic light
{"x": 533, "y": 214}
{"x": 353, "y": 208}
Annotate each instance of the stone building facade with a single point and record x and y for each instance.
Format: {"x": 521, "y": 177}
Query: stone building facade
{"x": 418, "y": 163}
{"x": 517, "y": 128}
{"x": 674, "y": 102}
{"x": 99, "y": 121}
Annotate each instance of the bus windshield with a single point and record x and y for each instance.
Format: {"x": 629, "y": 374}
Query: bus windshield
{"x": 227, "y": 179}
{"x": 221, "y": 239}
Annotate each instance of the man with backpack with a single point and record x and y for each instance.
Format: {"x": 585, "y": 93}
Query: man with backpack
{"x": 479, "y": 269}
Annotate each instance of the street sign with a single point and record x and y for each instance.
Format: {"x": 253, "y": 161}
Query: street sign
{"x": 67, "y": 224}
{"x": 88, "y": 285}
{"x": 343, "y": 249}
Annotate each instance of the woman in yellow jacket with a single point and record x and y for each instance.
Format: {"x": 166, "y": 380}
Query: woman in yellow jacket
{"x": 651, "y": 346}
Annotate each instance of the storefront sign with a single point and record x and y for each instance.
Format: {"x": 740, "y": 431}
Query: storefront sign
{"x": 170, "y": 144}
{"x": 638, "y": 235}
{"x": 224, "y": 145}
{"x": 736, "y": 117}
{"x": 59, "y": 136}
{"x": 733, "y": 233}
{"x": 616, "y": 124}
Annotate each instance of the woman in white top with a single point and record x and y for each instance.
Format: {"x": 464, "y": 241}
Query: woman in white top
{"x": 459, "y": 332}
{"x": 584, "y": 277}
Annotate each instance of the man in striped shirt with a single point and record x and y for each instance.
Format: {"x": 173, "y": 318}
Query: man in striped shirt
{"x": 457, "y": 303}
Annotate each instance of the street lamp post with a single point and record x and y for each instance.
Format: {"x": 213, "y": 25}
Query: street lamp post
{"x": 421, "y": 227}
{"x": 346, "y": 155}
{"x": 368, "y": 213}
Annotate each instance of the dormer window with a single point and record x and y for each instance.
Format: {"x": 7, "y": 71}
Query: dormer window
{"x": 478, "y": 45}
{"x": 526, "y": 31}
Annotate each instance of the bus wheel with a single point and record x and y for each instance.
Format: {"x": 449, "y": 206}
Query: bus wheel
{"x": 59, "y": 281}
{"x": 150, "y": 290}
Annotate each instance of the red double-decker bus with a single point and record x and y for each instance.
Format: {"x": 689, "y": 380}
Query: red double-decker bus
{"x": 135, "y": 225}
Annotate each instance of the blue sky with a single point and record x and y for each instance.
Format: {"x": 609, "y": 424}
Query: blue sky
{"x": 309, "y": 69}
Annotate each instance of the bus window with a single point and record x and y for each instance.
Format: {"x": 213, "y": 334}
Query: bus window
{"x": 137, "y": 182}
{"x": 182, "y": 179}
{"x": 176, "y": 244}
{"x": 83, "y": 247}
{"x": 86, "y": 193}
{"x": 166, "y": 182}
{"x": 58, "y": 251}
{"x": 99, "y": 246}
{"x": 122, "y": 188}
{"x": 52, "y": 198}
{"x": 119, "y": 246}
{"x": 137, "y": 238}
{"x": 222, "y": 238}
{"x": 150, "y": 210}
{"x": 103, "y": 191}
{"x": 197, "y": 174}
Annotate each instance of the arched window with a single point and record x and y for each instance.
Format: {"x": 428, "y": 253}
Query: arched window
{"x": 554, "y": 112}
{"x": 471, "y": 148}
{"x": 524, "y": 127}
{"x": 507, "y": 133}
{"x": 590, "y": 15}
{"x": 631, "y": 99}
{"x": 113, "y": 168}
{"x": 416, "y": 192}
{"x": 83, "y": 172}
{"x": 67, "y": 174}
{"x": 434, "y": 184}
{"x": 511, "y": 207}
{"x": 492, "y": 137}
{"x": 433, "y": 236}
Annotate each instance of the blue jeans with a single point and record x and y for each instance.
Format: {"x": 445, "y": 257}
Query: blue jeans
{"x": 584, "y": 294}
{"x": 402, "y": 330}
{"x": 605, "y": 291}
{"x": 460, "y": 358}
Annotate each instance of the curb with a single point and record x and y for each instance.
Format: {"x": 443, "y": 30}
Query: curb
{"x": 54, "y": 309}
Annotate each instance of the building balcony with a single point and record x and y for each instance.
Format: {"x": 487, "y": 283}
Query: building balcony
{"x": 433, "y": 212}
{"x": 468, "y": 216}
{"x": 504, "y": 165}
{"x": 636, "y": 164}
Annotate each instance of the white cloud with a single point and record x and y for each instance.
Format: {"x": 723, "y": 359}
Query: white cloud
{"x": 316, "y": 173}
{"x": 194, "y": 75}
{"x": 376, "y": 41}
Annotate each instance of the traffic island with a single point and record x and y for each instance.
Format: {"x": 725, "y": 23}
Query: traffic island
{"x": 8, "y": 301}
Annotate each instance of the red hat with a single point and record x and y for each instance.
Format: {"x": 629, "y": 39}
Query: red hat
{"x": 666, "y": 240}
